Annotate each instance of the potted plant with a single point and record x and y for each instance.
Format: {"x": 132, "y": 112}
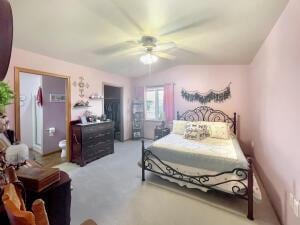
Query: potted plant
{"x": 6, "y": 97}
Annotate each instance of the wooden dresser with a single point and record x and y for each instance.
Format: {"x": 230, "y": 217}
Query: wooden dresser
{"x": 91, "y": 141}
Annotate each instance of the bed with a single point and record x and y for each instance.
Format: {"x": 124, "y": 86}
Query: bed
{"x": 210, "y": 164}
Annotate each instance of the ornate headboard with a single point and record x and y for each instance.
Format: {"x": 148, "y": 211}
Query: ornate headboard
{"x": 205, "y": 113}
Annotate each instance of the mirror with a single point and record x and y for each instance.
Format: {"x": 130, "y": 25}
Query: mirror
{"x": 6, "y": 36}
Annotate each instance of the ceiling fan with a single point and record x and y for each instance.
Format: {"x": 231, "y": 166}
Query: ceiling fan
{"x": 148, "y": 47}
{"x": 154, "y": 50}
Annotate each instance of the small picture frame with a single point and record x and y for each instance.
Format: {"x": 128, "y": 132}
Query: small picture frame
{"x": 58, "y": 98}
{"x": 83, "y": 119}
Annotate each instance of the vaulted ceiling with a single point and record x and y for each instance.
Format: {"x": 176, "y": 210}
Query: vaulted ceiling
{"x": 104, "y": 34}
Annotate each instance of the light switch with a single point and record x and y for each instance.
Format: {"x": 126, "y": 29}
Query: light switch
{"x": 296, "y": 207}
{"x": 291, "y": 199}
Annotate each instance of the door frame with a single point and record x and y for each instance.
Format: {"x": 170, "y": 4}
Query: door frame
{"x": 17, "y": 71}
{"x": 121, "y": 106}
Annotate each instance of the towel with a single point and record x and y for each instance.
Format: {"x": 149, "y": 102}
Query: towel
{"x": 39, "y": 97}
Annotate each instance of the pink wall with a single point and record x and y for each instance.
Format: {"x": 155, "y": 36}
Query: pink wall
{"x": 95, "y": 78}
{"x": 268, "y": 117}
{"x": 275, "y": 104}
{"x": 204, "y": 78}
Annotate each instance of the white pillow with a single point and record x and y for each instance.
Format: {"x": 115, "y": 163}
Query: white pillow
{"x": 220, "y": 130}
{"x": 196, "y": 131}
{"x": 17, "y": 153}
{"x": 179, "y": 126}
{"x": 191, "y": 131}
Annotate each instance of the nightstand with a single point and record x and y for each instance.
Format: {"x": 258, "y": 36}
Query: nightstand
{"x": 160, "y": 132}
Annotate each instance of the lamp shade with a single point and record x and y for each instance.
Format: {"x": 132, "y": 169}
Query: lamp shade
{"x": 148, "y": 59}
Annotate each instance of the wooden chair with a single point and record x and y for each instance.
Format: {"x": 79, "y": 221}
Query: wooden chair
{"x": 17, "y": 213}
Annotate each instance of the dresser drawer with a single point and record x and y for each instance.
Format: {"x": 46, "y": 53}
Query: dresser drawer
{"x": 108, "y": 147}
{"x": 99, "y": 137}
{"x": 96, "y": 128}
{"x": 98, "y": 148}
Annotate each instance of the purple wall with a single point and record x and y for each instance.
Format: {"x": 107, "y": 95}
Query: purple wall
{"x": 54, "y": 113}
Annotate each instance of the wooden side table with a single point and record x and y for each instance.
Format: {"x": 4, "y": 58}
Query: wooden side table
{"x": 161, "y": 132}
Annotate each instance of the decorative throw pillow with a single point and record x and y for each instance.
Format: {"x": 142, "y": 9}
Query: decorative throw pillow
{"x": 218, "y": 130}
{"x": 202, "y": 132}
{"x": 196, "y": 131}
{"x": 179, "y": 126}
{"x": 191, "y": 131}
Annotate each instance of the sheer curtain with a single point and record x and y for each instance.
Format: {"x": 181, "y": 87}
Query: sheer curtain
{"x": 169, "y": 102}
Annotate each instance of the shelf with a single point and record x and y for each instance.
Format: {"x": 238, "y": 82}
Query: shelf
{"x": 81, "y": 107}
{"x": 112, "y": 99}
{"x": 96, "y": 99}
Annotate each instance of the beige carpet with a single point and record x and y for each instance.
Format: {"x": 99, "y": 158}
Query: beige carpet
{"x": 67, "y": 167}
{"x": 110, "y": 192}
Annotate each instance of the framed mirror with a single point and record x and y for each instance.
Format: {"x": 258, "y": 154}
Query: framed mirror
{"x": 6, "y": 36}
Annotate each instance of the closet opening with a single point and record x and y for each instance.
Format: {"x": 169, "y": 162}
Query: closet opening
{"x": 113, "y": 109}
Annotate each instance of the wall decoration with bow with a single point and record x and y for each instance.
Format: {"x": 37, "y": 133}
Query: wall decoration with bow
{"x": 204, "y": 98}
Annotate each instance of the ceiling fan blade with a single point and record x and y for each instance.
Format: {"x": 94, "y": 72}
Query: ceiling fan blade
{"x": 136, "y": 53}
{"x": 128, "y": 17}
{"x": 187, "y": 50}
{"x": 165, "y": 55}
{"x": 165, "y": 46}
{"x": 113, "y": 49}
{"x": 167, "y": 31}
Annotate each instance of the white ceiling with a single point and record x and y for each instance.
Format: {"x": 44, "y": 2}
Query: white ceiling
{"x": 79, "y": 31}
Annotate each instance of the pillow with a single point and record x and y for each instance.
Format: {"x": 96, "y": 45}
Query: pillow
{"x": 220, "y": 130}
{"x": 179, "y": 126}
{"x": 191, "y": 131}
{"x": 203, "y": 132}
{"x": 196, "y": 131}
{"x": 14, "y": 206}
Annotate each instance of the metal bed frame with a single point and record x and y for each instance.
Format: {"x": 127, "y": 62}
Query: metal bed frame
{"x": 204, "y": 113}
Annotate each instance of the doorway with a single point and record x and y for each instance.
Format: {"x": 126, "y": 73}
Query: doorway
{"x": 42, "y": 115}
{"x": 113, "y": 108}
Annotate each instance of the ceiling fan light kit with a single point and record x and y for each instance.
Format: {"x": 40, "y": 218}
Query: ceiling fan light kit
{"x": 148, "y": 59}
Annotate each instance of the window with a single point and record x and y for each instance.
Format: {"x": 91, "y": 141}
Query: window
{"x": 154, "y": 103}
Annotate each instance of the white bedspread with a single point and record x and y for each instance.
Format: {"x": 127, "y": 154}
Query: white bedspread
{"x": 210, "y": 153}
{"x": 226, "y": 187}
{"x": 207, "y": 157}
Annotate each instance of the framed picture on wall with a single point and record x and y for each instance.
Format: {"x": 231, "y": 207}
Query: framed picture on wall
{"x": 57, "y": 97}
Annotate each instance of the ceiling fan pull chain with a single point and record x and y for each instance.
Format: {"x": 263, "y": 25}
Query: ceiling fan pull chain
{"x": 149, "y": 68}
